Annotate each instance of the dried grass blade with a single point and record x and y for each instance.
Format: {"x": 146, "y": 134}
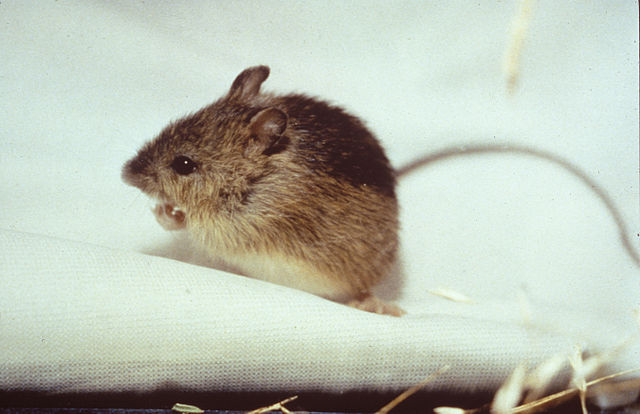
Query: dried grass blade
{"x": 408, "y": 393}
{"x": 279, "y": 406}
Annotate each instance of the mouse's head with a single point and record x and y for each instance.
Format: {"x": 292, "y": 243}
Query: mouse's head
{"x": 207, "y": 162}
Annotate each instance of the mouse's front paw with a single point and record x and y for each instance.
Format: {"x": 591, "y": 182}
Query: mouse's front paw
{"x": 170, "y": 217}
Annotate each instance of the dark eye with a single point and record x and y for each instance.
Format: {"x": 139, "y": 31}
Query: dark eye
{"x": 183, "y": 165}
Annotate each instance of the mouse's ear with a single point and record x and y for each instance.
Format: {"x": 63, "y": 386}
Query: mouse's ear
{"x": 267, "y": 127}
{"x": 247, "y": 83}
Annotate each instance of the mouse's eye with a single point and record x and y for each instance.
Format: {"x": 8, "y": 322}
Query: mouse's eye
{"x": 183, "y": 165}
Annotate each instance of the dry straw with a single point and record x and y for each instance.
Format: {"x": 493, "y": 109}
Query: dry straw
{"x": 506, "y": 398}
{"x": 519, "y": 26}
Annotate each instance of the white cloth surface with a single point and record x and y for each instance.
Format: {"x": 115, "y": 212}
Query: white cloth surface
{"x": 87, "y": 304}
{"x": 114, "y": 320}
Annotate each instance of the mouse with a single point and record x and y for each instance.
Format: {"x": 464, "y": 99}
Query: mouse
{"x": 285, "y": 188}
{"x": 294, "y": 190}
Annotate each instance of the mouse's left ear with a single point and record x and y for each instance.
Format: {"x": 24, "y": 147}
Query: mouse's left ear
{"x": 267, "y": 128}
{"x": 247, "y": 83}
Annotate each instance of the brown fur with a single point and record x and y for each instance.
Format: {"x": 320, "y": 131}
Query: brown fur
{"x": 285, "y": 188}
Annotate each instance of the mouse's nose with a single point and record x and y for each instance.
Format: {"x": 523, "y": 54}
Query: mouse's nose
{"x": 136, "y": 169}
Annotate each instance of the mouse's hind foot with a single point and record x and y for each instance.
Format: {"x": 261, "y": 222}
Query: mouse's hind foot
{"x": 374, "y": 304}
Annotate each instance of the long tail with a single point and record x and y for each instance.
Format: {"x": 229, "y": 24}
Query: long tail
{"x": 464, "y": 150}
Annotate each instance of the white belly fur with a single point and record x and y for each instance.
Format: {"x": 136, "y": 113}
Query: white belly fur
{"x": 286, "y": 272}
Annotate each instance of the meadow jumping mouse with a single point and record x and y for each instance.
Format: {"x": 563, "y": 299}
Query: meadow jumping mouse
{"x": 284, "y": 188}
{"x": 293, "y": 190}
